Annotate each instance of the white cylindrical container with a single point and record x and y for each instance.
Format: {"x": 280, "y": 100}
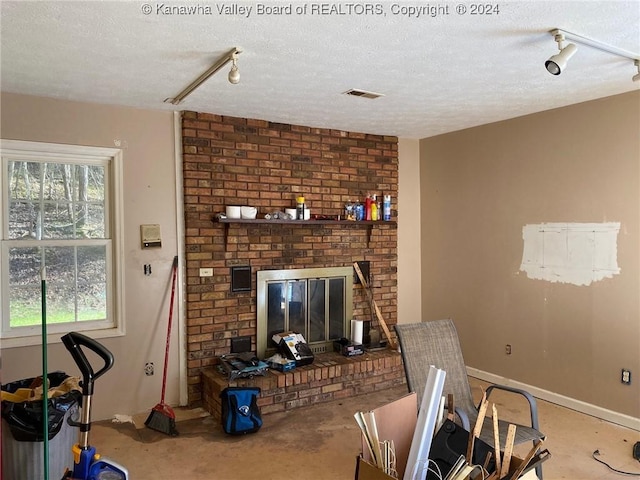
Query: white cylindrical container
{"x": 357, "y": 328}
{"x": 248, "y": 212}
{"x": 233, "y": 211}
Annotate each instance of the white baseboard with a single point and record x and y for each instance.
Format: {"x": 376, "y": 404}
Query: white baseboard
{"x": 568, "y": 402}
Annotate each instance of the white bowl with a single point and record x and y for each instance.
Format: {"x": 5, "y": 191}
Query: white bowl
{"x": 233, "y": 211}
{"x": 248, "y": 212}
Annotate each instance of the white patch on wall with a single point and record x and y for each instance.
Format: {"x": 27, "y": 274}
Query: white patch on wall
{"x": 577, "y": 253}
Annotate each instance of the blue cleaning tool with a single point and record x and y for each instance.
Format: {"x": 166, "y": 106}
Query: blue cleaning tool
{"x": 87, "y": 463}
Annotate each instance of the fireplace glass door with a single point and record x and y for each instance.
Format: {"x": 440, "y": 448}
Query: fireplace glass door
{"x": 316, "y": 307}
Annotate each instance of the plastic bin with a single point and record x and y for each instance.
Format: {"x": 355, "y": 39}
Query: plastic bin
{"x": 23, "y": 436}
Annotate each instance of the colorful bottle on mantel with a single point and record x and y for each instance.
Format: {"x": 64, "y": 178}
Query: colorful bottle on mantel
{"x": 367, "y": 207}
{"x": 300, "y": 208}
{"x": 374, "y": 208}
{"x": 386, "y": 208}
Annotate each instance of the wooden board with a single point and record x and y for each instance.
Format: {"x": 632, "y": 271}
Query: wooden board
{"x": 383, "y": 324}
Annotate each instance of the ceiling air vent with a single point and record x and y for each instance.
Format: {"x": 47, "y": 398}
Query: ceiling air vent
{"x": 363, "y": 93}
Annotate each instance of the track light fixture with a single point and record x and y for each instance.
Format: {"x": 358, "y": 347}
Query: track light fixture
{"x": 556, "y": 64}
{"x": 234, "y": 75}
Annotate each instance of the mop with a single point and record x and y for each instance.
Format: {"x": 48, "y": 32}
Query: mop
{"x": 162, "y": 418}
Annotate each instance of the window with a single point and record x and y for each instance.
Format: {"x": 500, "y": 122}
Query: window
{"x": 61, "y": 217}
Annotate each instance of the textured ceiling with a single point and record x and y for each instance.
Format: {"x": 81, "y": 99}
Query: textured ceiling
{"x": 438, "y": 73}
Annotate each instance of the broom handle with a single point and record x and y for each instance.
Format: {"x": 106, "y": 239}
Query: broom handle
{"x": 45, "y": 374}
{"x": 166, "y": 351}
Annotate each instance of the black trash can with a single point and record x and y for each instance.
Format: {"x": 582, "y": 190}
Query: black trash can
{"x": 23, "y": 435}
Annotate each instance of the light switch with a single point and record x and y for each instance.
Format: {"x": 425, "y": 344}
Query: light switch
{"x": 206, "y": 272}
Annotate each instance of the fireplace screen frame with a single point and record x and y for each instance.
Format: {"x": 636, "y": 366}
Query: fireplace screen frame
{"x": 266, "y": 277}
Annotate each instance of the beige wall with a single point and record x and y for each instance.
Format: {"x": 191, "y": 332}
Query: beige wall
{"x": 409, "y": 274}
{"x": 147, "y": 139}
{"x": 479, "y": 187}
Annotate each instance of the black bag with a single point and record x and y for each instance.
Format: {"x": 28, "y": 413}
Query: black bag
{"x": 449, "y": 443}
{"x": 240, "y": 411}
{"x": 25, "y": 418}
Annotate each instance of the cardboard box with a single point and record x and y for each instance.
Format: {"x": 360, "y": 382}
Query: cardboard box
{"x": 366, "y": 471}
{"x": 395, "y": 421}
{"x": 293, "y": 346}
{"x": 347, "y": 348}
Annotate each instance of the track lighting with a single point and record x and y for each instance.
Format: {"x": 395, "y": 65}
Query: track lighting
{"x": 234, "y": 75}
{"x": 556, "y": 64}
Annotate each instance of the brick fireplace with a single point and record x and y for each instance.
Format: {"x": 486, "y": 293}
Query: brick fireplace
{"x": 239, "y": 161}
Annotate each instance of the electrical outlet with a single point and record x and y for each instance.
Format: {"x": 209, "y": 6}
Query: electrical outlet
{"x": 625, "y": 377}
{"x": 507, "y": 349}
{"x": 148, "y": 369}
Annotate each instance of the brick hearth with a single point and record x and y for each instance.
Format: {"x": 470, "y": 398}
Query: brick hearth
{"x": 330, "y": 377}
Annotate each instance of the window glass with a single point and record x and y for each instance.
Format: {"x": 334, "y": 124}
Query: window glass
{"x": 57, "y": 222}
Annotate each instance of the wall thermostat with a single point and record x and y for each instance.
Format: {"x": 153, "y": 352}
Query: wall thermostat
{"x": 150, "y": 236}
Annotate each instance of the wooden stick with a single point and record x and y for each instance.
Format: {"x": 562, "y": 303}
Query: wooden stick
{"x": 482, "y": 411}
{"x": 526, "y": 460}
{"x": 451, "y": 411}
{"x": 383, "y": 324}
{"x": 496, "y": 439}
{"x": 487, "y": 460}
{"x": 508, "y": 450}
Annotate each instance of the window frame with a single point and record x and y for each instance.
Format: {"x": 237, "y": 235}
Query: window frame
{"x": 114, "y": 325}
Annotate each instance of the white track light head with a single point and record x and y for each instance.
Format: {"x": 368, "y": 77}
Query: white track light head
{"x": 234, "y": 73}
{"x": 557, "y": 63}
{"x": 636, "y": 77}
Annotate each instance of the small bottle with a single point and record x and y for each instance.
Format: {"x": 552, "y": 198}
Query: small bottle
{"x": 367, "y": 208}
{"x": 349, "y": 211}
{"x": 386, "y": 208}
{"x": 374, "y": 208}
{"x": 300, "y": 208}
{"x": 359, "y": 210}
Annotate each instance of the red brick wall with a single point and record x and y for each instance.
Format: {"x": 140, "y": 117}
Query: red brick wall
{"x": 238, "y": 161}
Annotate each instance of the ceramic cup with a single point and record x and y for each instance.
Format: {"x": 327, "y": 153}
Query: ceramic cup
{"x": 249, "y": 213}
{"x": 233, "y": 211}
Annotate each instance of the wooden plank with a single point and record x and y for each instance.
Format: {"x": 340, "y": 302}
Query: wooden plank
{"x": 451, "y": 411}
{"x": 508, "y": 450}
{"x": 496, "y": 439}
{"x": 482, "y": 412}
{"x": 383, "y": 324}
{"x": 526, "y": 460}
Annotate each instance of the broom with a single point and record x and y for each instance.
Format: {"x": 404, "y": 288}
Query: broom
{"x": 162, "y": 418}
